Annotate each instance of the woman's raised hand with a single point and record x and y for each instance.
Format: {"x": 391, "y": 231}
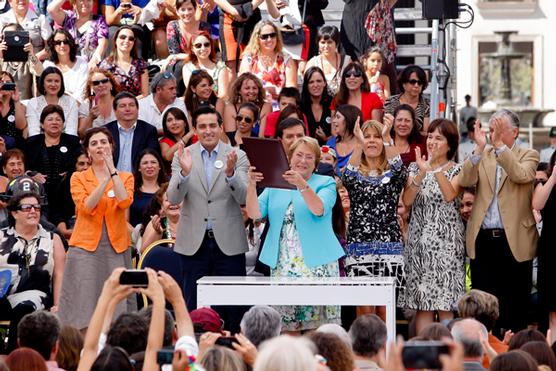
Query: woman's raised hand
{"x": 388, "y": 121}
{"x": 421, "y": 161}
{"x": 357, "y": 132}
{"x": 254, "y": 176}
{"x": 109, "y": 161}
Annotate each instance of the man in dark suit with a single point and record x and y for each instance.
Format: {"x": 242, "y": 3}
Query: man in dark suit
{"x": 210, "y": 177}
{"x": 131, "y": 135}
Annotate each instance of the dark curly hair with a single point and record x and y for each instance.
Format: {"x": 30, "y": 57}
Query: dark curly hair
{"x": 52, "y": 47}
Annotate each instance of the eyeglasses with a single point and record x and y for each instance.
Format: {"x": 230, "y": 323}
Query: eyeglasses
{"x": 98, "y": 82}
{"x": 353, "y": 73}
{"x": 415, "y": 82}
{"x": 240, "y": 118}
{"x": 267, "y": 36}
{"x": 200, "y": 45}
{"x": 60, "y": 42}
{"x": 125, "y": 37}
{"x": 27, "y": 207}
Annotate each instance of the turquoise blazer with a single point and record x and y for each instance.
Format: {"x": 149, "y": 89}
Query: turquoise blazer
{"x": 318, "y": 242}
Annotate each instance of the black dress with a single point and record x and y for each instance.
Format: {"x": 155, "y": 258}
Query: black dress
{"x": 354, "y": 39}
{"x": 324, "y": 122}
{"x": 547, "y": 254}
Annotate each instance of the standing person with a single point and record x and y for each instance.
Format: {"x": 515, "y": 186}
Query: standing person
{"x": 99, "y": 243}
{"x": 98, "y": 97}
{"x": 315, "y": 102}
{"x": 343, "y": 140}
{"x": 465, "y": 113}
{"x": 211, "y": 178}
{"x": 89, "y": 30}
{"x": 374, "y": 178}
{"x": 9, "y": 103}
{"x": 544, "y": 200}
{"x": 296, "y": 219}
{"x": 501, "y": 233}
{"x": 330, "y": 60}
{"x": 175, "y": 128}
{"x": 435, "y": 254}
{"x": 373, "y": 61}
{"x": 405, "y": 133}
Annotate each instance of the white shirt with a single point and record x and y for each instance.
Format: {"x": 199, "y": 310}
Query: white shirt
{"x": 75, "y": 79}
{"x": 32, "y": 22}
{"x": 148, "y": 111}
{"x": 546, "y": 153}
{"x": 37, "y": 104}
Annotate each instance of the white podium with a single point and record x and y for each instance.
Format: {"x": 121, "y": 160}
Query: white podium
{"x": 301, "y": 291}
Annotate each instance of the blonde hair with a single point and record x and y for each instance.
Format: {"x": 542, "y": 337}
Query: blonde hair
{"x": 219, "y": 358}
{"x": 254, "y": 48}
{"x": 286, "y": 353}
{"x": 313, "y": 145}
{"x": 383, "y": 162}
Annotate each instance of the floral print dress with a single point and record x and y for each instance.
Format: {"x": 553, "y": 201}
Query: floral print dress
{"x": 131, "y": 81}
{"x": 374, "y": 239}
{"x": 88, "y": 40}
{"x": 291, "y": 264}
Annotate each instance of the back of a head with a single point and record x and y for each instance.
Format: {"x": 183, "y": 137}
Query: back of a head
{"x": 129, "y": 331}
{"x": 368, "y": 335}
{"x": 333, "y": 328}
{"x": 525, "y": 336}
{"x": 469, "y": 332}
{"x": 435, "y": 331}
{"x": 261, "y": 323}
{"x": 112, "y": 359}
{"x": 169, "y": 324}
{"x": 25, "y": 359}
{"x": 514, "y": 360}
{"x": 285, "y": 353}
{"x": 481, "y": 306}
{"x": 70, "y": 343}
{"x": 219, "y": 358}
{"x": 39, "y": 331}
{"x": 338, "y": 356}
{"x": 541, "y": 352}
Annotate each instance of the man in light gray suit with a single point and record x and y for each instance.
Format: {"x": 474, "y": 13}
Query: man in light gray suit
{"x": 210, "y": 177}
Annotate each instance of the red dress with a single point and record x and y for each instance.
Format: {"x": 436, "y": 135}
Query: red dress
{"x": 369, "y": 102}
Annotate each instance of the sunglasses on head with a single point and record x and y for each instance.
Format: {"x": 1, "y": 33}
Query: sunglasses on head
{"x": 27, "y": 207}
{"x": 125, "y": 37}
{"x": 415, "y": 82}
{"x": 98, "y": 82}
{"x": 267, "y": 36}
{"x": 60, "y": 42}
{"x": 200, "y": 45}
{"x": 353, "y": 73}
{"x": 240, "y": 118}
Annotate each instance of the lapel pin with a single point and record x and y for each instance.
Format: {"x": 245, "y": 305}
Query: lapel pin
{"x": 218, "y": 164}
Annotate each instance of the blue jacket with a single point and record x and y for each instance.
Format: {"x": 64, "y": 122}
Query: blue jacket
{"x": 318, "y": 241}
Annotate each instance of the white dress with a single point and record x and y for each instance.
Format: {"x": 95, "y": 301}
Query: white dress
{"x": 37, "y": 104}
{"x": 75, "y": 79}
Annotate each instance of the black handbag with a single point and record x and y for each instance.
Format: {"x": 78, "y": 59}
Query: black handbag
{"x": 294, "y": 35}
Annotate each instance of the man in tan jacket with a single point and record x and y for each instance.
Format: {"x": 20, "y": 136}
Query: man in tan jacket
{"x": 501, "y": 234}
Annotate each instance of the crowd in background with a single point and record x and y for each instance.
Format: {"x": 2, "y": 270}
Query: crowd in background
{"x": 125, "y": 124}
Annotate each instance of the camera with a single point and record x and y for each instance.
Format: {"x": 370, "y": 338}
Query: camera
{"x": 134, "y": 277}
{"x": 420, "y": 355}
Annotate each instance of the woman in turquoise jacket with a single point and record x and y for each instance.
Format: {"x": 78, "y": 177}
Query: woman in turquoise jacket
{"x": 300, "y": 240}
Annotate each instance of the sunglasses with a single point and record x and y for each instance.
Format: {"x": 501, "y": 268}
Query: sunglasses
{"x": 98, "y": 82}
{"x": 240, "y": 118}
{"x": 200, "y": 45}
{"x": 353, "y": 73}
{"x": 415, "y": 82}
{"x": 61, "y": 42}
{"x": 27, "y": 207}
{"x": 267, "y": 36}
{"x": 125, "y": 37}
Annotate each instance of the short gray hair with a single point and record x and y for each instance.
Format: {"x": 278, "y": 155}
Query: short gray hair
{"x": 368, "y": 335}
{"x": 513, "y": 118}
{"x": 468, "y": 332}
{"x": 261, "y": 323}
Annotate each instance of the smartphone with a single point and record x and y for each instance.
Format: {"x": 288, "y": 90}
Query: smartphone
{"x": 226, "y": 341}
{"x": 126, "y": 5}
{"x": 164, "y": 356}
{"x": 134, "y": 277}
{"x": 420, "y": 355}
{"x": 8, "y": 86}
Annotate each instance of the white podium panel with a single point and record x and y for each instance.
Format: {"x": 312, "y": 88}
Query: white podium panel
{"x": 301, "y": 291}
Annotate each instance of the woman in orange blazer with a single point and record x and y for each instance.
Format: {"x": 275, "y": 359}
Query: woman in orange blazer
{"x": 100, "y": 241}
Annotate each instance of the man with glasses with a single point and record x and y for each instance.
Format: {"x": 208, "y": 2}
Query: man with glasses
{"x": 163, "y": 96}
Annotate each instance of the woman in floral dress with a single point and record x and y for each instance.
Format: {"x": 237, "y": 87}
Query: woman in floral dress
{"x": 297, "y": 220}
{"x": 374, "y": 179}
{"x": 435, "y": 254}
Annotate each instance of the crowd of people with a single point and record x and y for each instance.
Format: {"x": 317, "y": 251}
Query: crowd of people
{"x": 124, "y": 125}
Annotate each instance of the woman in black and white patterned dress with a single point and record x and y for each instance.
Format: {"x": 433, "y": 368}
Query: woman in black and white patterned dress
{"x": 435, "y": 254}
{"x": 374, "y": 179}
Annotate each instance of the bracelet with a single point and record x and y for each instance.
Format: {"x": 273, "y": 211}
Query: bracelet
{"x": 304, "y": 189}
{"x": 114, "y": 173}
